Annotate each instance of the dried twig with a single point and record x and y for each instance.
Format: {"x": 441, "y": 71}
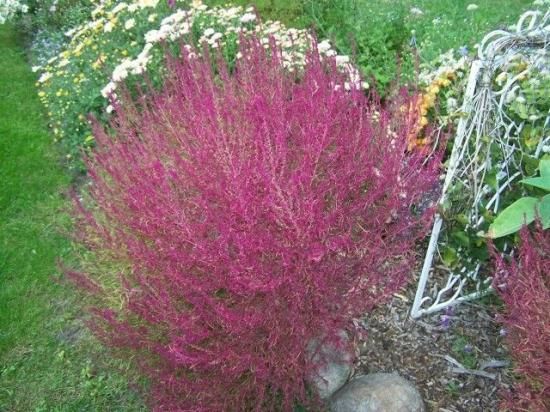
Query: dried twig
{"x": 460, "y": 368}
{"x": 494, "y": 363}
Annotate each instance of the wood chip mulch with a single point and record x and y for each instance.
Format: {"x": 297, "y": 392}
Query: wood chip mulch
{"x": 456, "y": 358}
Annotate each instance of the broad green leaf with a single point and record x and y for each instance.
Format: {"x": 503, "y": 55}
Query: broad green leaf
{"x": 449, "y": 256}
{"x": 540, "y": 182}
{"x": 544, "y": 211}
{"x": 544, "y": 167}
{"x": 461, "y": 238}
{"x": 511, "y": 219}
{"x": 530, "y": 164}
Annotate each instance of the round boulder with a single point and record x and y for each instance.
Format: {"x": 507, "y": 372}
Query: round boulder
{"x": 377, "y": 392}
{"x": 336, "y": 365}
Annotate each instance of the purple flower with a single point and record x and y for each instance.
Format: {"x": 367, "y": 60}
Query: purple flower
{"x": 446, "y": 318}
{"x": 463, "y": 51}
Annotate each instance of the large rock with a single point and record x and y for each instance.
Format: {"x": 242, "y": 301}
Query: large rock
{"x": 378, "y": 392}
{"x": 336, "y": 365}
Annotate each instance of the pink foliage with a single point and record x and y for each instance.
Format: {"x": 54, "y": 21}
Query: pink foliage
{"x": 524, "y": 286}
{"x": 257, "y": 211}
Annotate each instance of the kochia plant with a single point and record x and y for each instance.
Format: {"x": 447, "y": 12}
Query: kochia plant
{"x": 524, "y": 286}
{"x": 250, "y": 213}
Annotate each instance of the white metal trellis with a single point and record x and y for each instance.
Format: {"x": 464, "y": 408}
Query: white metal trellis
{"x": 483, "y": 116}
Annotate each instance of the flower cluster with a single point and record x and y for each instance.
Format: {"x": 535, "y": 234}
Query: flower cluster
{"x": 425, "y": 106}
{"x": 9, "y": 8}
{"x": 123, "y": 40}
{"x": 442, "y": 82}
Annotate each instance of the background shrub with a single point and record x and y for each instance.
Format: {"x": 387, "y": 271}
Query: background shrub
{"x": 247, "y": 214}
{"x": 524, "y": 286}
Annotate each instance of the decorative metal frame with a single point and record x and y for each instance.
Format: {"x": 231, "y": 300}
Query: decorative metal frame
{"x": 483, "y": 115}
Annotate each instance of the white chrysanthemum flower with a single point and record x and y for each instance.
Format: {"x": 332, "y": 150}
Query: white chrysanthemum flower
{"x": 215, "y": 37}
{"x": 154, "y": 36}
{"x": 119, "y": 7}
{"x": 341, "y": 60}
{"x": 108, "y": 27}
{"x": 45, "y": 77}
{"x": 324, "y": 46}
{"x": 120, "y": 73}
{"x": 147, "y": 47}
{"x": 248, "y": 17}
{"x": 129, "y": 24}
{"x": 147, "y": 3}
{"x": 108, "y": 89}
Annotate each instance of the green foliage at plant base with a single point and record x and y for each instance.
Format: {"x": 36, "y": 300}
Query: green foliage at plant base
{"x": 525, "y": 210}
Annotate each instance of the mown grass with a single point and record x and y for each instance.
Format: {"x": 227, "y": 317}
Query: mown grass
{"x": 48, "y": 362}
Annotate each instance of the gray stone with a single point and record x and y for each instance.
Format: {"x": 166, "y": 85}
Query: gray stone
{"x": 377, "y": 392}
{"x": 336, "y": 365}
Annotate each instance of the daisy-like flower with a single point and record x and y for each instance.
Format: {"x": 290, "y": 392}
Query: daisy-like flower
{"x": 108, "y": 27}
{"x": 109, "y": 89}
{"x": 341, "y": 60}
{"x": 472, "y": 7}
{"x": 129, "y": 24}
{"x": 248, "y": 17}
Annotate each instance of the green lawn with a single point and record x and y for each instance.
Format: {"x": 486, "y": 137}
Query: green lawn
{"x": 48, "y": 361}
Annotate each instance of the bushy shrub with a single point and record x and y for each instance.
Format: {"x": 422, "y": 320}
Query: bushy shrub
{"x": 248, "y": 214}
{"x": 524, "y": 286}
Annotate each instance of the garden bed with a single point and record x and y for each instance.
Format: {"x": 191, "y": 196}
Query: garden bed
{"x": 417, "y": 350}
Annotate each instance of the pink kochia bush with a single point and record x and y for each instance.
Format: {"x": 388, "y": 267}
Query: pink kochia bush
{"x": 251, "y": 213}
{"x": 524, "y": 286}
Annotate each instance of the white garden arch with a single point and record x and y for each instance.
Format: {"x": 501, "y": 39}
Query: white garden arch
{"x": 483, "y": 117}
